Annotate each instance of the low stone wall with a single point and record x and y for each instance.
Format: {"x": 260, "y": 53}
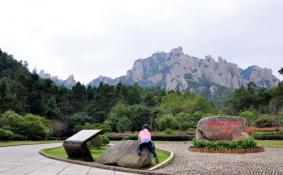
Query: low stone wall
{"x": 229, "y": 151}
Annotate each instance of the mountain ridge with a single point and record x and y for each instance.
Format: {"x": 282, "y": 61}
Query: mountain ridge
{"x": 178, "y": 71}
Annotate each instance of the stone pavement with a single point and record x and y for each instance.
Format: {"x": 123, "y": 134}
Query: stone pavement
{"x": 186, "y": 163}
{"x": 25, "y": 160}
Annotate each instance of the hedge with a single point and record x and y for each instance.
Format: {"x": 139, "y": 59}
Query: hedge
{"x": 154, "y": 137}
{"x": 268, "y": 136}
{"x": 238, "y": 144}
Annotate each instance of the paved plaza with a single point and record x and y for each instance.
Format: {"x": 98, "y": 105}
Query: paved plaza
{"x": 185, "y": 163}
{"x": 25, "y": 160}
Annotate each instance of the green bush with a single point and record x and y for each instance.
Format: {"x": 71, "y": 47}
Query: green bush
{"x": 132, "y": 137}
{"x": 237, "y": 144}
{"x": 99, "y": 141}
{"x": 104, "y": 127}
{"x": 168, "y": 131}
{"x": 18, "y": 137}
{"x": 268, "y": 136}
{"x": 154, "y": 137}
{"x": 264, "y": 123}
{"x": 33, "y": 127}
{"x": 167, "y": 121}
{"x": 6, "y": 134}
{"x": 250, "y": 116}
{"x": 124, "y": 124}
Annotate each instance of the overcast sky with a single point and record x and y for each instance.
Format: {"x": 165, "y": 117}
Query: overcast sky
{"x": 92, "y": 38}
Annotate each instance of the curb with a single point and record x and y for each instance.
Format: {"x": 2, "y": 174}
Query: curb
{"x": 115, "y": 168}
{"x": 29, "y": 144}
{"x": 164, "y": 163}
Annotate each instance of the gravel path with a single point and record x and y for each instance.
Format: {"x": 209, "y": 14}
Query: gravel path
{"x": 186, "y": 162}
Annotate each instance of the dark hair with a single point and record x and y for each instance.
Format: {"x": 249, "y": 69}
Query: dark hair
{"x": 146, "y": 126}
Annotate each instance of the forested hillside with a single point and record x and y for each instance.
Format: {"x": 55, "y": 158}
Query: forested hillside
{"x": 35, "y": 108}
{"x": 113, "y": 108}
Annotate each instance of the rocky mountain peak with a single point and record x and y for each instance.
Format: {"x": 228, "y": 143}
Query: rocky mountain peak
{"x": 69, "y": 82}
{"x": 178, "y": 71}
{"x": 177, "y": 51}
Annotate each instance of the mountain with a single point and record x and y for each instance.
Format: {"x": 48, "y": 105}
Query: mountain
{"x": 178, "y": 71}
{"x": 69, "y": 82}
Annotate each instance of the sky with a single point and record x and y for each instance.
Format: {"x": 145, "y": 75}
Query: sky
{"x": 88, "y": 38}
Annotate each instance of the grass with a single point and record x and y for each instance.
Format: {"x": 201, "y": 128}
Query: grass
{"x": 60, "y": 153}
{"x": 271, "y": 143}
{"x": 162, "y": 156}
{"x": 14, "y": 143}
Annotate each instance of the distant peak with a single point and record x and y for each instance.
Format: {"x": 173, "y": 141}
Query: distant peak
{"x": 71, "y": 77}
{"x": 177, "y": 51}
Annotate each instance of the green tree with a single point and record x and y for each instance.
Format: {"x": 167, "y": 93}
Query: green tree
{"x": 250, "y": 116}
{"x": 167, "y": 121}
{"x": 124, "y": 124}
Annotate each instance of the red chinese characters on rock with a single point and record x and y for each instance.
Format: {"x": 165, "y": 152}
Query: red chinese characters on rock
{"x": 224, "y": 128}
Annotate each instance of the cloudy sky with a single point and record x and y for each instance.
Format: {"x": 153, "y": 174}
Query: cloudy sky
{"x": 92, "y": 38}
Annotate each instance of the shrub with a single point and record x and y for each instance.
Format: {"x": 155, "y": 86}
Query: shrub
{"x": 18, "y": 137}
{"x": 37, "y": 128}
{"x": 268, "y": 136}
{"x": 263, "y": 123}
{"x": 99, "y": 141}
{"x": 250, "y": 116}
{"x": 132, "y": 137}
{"x": 31, "y": 126}
{"x": 168, "y": 131}
{"x": 6, "y": 134}
{"x": 167, "y": 121}
{"x": 124, "y": 124}
{"x": 237, "y": 144}
{"x": 172, "y": 137}
{"x": 116, "y": 137}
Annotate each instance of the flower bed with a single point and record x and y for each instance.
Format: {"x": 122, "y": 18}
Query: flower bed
{"x": 230, "y": 151}
{"x": 252, "y": 129}
{"x": 241, "y": 146}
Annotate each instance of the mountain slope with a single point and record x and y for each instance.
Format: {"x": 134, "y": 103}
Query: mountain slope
{"x": 178, "y": 71}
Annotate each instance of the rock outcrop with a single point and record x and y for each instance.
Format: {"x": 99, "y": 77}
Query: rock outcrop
{"x": 124, "y": 154}
{"x": 221, "y": 128}
{"x": 68, "y": 83}
{"x": 178, "y": 71}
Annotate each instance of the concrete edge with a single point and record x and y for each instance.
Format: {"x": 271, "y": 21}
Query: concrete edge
{"x": 164, "y": 163}
{"x": 23, "y": 144}
{"x": 114, "y": 168}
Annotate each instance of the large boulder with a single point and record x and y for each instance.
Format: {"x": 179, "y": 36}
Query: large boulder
{"x": 124, "y": 154}
{"x": 221, "y": 128}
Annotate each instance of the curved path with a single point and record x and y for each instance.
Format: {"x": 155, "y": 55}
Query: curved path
{"x": 21, "y": 160}
{"x": 25, "y": 160}
{"x": 186, "y": 162}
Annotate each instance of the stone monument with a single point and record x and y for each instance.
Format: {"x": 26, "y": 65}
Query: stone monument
{"x": 221, "y": 128}
{"x": 76, "y": 146}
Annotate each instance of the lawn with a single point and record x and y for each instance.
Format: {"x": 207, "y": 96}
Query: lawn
{"x": 271, "y": 143}
{"x": 13, "y": 143}
{"x": 60, "y": 152}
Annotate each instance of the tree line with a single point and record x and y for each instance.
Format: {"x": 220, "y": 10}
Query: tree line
{"x": 261, "y": 106}
{"x": 112, "y": 108}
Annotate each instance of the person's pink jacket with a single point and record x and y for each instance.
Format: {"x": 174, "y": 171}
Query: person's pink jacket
{"x": 144, "y": 136}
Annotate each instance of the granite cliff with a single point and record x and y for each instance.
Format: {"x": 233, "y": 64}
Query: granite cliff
{"x": 178, "y": 71}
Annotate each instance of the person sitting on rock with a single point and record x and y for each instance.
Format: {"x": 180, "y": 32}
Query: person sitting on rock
{"x": 145, "y": 141}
